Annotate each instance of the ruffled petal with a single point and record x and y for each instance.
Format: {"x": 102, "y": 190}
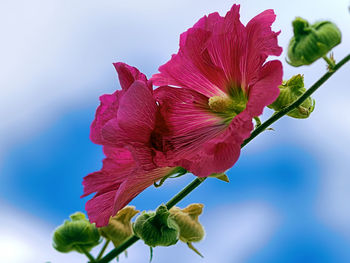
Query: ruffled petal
{"x": 100, "y": 208}
{"x": 117, "y": 165}
{"x": 206, "y": 23}
{"x": 128, "y": 75}
{"x": 191, "y": 68}
{"x": 109, "y": 106}
{"x": 110, "y": 200}
{"x": 227, "y": 47}
{"x": 135, "y": 184}
{"x": 106, "y": 111}
{"x": 189, "y": 119}
{"x": 265, "y": 90}
{"x": 261, "y": 43}
{"x": 134, "y": 124}
{"x": 214, "y": 157}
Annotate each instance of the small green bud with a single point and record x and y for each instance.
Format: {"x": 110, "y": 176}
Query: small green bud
{"x": 311, "y": 42}
{"x": 187, "y": 220}
{"x": 119, "y": 227}
{"x": 157, "y": 228}
{"x": 289, "y": 91}
{"x": 77, "y": 234}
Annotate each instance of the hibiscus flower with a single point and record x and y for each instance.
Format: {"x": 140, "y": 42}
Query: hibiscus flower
{"x": 129, "y": 126}
{"x": 221, "y": 81}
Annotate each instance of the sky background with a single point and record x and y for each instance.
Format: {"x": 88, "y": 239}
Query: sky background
{"x": 288, "y": 199}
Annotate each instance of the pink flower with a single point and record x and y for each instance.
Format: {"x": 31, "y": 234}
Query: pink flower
{"x": 224, "y": 82}
{"x": 119, "y": 181}
{"x": 129, "y": 126}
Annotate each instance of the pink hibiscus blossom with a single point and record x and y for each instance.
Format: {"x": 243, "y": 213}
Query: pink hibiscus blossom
{"x": 129, "y": 126}
{"x": 221, "y": 83}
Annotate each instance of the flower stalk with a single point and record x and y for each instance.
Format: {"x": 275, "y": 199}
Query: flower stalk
{"x": 196, "y": 182}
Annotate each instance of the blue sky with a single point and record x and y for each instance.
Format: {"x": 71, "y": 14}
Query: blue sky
{"x": 288, "y": 196}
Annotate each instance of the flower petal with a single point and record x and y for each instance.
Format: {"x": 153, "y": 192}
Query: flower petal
{"x": 261, "y": 43}
{"x": 189, "y": 119}
{"x": 117, "y": 165}
{"x": 135, "y": 184}
{"x": 106, "y": 111}
{"x": 215, "y": 157}
{"x": 265, "y": 90}
{"x": 111, "y": 199}
{"x": 128, "y": 75}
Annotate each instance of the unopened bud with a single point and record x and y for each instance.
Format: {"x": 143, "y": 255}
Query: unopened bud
{"x": 191, "y": 229}
{"x": 119, "y": 227}
{"x": 77, "y": 234}
{"x": 290, "y": 91}
{"x": 311, "y": 42}
{"x": 157, "y": 228}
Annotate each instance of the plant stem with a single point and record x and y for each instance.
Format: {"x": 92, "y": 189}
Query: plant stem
{"x": 184, "y": 192}
{"x": 103, "y": 249}
{"x": 196, "y": 182}
{"x": 90, "y": 257}
{"x": 296, "y": 103}
{"x": 118, "y": 250}
{"x": 329, "y": 61}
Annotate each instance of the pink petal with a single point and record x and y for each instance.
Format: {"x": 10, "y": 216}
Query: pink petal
{"x": 117, "y": 165}
{"x": 189, "y": 119}
{"x": 100, "y": 208}
{"x": 128, "y": 75}
{"x": 135, "y": 184}
{"x": 227, "y": 47}
{"x": 265, "y": 90}
{"x": 191, "y": 68}
{"x": 110, "y": 200}
{"x": 206, "y": 23}
{"x": 106, "y": 111}
{"x": 214, "y": 157}
{"x": 262, "y": 42}
{"x": 109, "y": 106}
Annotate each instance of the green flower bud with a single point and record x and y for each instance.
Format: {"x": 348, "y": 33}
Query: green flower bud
{"x": 119, "y": 227}
{"x": 78, "y": 234}
{"x": 289, "y": 91}
{"x": 157, "y": 228}
{"x": 187, "y": 220}
{"x": 311, "y": 42}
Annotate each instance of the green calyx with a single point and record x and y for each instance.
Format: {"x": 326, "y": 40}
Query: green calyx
{"x": 119, "y": 226}
{"x": 76, "y": 234}
{"x": 157, "y": 228}
{"x": 289, "y": 91}
{"x": 187, "y": 220}
{"x": 191, "y": 229}
{"x": 311, "y": 42}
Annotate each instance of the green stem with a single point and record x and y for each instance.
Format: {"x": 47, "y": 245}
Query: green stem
{"x": 184, "y": 192}
{"x": 196, "y": 182}
{"x": 103, "y": 249}
{"x": 118, "y": 250}
{"x": 329, "y": 61}
{"x": 296, "y": 103}
{"x": 90, "y": 257}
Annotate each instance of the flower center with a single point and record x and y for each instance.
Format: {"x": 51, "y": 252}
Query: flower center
{"x": 228, "y": 106}
{"x": 220, "y": 104}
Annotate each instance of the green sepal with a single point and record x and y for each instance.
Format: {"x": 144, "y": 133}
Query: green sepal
{"x": 191, "y": 230}
{"x": 290, "y": 91}
{"x": 76, "y": 234}
{"x": 220, "y": 176}
{"x": 157, "y": 228}
{"x": 119, "y": 227}
{"x": 311, "y": 42}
